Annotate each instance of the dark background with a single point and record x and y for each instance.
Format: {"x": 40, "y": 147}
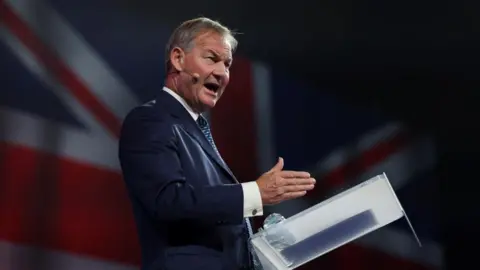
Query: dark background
{"x": 414, "y": 60}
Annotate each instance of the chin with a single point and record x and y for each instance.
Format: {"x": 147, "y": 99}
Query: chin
{"x": 209, "y": 105}
{"x": 209, "y": 102}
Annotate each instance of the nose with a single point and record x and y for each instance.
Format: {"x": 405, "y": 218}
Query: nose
{"x": 220, "y": 72}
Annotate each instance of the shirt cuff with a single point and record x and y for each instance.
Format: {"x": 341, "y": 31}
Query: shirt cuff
{"x": 252, "y": 200}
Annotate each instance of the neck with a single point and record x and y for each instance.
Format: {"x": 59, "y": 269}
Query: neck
{"x": 170, "y": 83}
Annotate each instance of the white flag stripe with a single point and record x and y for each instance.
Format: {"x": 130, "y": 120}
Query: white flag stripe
{"x": 337, "y": 159}
{"x": 76, "y": 53}
{"x": 23, "y": 129}
{"x": 19, "y": 257}
{"x": 94, "y": 145}
{"x": 344, "y": 154}
{"x": 262, "y": 91}
{"x": 402, "y": 166}
{"x": 398, "y": 167}
{"x": 37, "y": 68}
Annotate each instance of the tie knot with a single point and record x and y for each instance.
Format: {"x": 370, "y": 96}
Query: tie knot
{"x": 202, "y": 122}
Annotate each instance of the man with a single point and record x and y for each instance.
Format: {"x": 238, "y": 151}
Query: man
{"x": 191, "y": 212}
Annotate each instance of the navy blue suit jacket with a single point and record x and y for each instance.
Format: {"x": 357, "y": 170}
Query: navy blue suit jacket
{"x": 187, "y": 204}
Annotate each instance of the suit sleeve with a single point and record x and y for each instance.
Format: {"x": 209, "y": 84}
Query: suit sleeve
{"x": 153, "y": 175}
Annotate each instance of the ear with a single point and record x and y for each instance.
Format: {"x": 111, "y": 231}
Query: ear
{"x": 176, "y": 58}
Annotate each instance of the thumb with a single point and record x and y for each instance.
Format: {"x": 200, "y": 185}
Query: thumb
{"x": 278, "y": 167}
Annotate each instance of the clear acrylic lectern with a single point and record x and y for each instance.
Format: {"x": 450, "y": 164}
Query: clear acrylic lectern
{"x": 328, "y": 225}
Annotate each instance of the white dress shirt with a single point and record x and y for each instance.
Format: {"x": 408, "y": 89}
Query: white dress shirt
{"x": 252, "y": 200}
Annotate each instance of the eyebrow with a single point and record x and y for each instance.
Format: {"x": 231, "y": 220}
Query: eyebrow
{"x": 218, "y": 55}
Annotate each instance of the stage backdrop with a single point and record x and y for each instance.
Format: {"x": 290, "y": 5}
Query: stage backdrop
{"x": 73, "y": 69}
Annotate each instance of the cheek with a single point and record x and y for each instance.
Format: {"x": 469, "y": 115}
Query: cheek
{"x": 202, "y": 67}
{"x": 226, "y": 81}
{"x": 199, "y": 91}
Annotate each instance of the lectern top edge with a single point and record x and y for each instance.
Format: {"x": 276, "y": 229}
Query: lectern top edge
{"x": 404, "y": 213}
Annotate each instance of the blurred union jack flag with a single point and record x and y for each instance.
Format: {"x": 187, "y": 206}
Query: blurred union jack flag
{"x": 65, "y": 92}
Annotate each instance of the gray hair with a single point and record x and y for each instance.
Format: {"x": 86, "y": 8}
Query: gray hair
{"x": 184, "y": 35}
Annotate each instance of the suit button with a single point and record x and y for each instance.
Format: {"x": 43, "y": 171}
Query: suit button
{"x": 254, "y": 212}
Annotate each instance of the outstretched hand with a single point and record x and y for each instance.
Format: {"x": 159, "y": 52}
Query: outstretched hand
{"x": 278, "y": 185}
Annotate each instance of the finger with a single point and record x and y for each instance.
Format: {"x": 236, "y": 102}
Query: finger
{"x": 293, "y": 195}
{"x": 296, "y": 188}
{"x": 299, "y": 181}
{"x": 278, "y": 167}
{"x": 294, "y": 174}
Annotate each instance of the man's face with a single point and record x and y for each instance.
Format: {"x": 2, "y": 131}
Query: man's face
{"x": 210, "y": 57}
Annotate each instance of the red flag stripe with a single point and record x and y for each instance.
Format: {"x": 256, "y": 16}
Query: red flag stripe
{"x": 64, "y": 205}
{"x": 356, "y": 166}
{"x": 233, "y": 123}
{"x": 55, "y": 65}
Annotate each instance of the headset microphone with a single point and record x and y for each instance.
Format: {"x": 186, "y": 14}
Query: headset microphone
{"x": 195, "y": 76}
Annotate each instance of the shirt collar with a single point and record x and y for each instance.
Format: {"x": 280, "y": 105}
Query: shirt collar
{"x": 183, "y": 102}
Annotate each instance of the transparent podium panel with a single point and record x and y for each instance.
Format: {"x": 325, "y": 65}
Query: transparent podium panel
{"x": 328, "y": 225}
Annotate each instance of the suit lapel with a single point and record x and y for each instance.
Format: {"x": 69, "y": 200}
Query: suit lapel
{"x": 177, "y": 110}
{"x": 195, "y": 131}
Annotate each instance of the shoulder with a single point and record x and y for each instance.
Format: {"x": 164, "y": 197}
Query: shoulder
{"x": 147, "y": 122}
{"x": 144, "y": 111}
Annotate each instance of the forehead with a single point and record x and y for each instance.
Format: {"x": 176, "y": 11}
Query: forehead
{"x": 212, "y": 41}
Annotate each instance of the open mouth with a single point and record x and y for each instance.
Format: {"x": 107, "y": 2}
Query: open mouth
{"x": 212, "y": 87}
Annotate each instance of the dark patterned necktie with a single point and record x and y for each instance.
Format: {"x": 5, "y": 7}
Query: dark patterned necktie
{"x": 203, "y": 124}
